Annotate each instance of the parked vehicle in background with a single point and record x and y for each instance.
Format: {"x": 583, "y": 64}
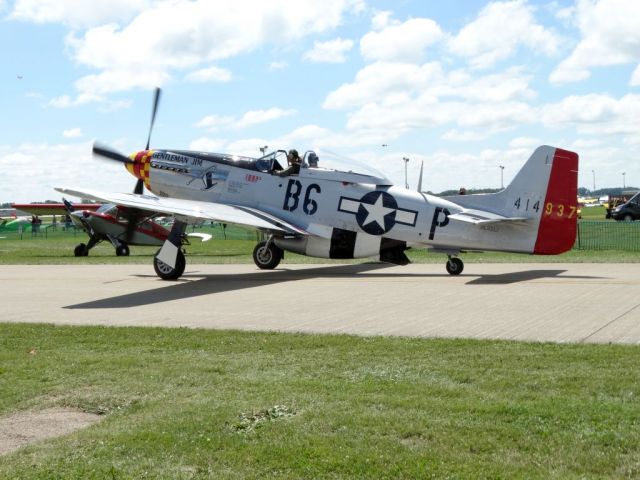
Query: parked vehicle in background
{"x": 627, "y": 211}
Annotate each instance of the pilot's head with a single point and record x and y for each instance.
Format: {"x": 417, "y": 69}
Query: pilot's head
{"x": 292, "y": 156}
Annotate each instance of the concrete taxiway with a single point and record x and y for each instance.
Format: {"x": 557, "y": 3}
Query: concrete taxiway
{"x": 539, "y": 302}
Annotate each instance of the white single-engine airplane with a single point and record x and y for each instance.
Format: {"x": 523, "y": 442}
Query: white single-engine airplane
{"x": 329, "y": 213}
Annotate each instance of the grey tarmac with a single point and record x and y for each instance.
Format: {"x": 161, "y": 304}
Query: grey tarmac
{"x": 596, "y": 303}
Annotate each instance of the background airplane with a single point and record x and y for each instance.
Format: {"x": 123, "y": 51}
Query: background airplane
{"x": 343, "y": 214}
{"x": 119, "y": 225}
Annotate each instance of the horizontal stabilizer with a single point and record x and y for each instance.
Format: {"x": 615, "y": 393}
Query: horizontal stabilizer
{"x": 477, "y": 217}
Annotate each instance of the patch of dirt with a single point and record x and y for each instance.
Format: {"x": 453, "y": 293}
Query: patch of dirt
{"x": 23, "y": 428}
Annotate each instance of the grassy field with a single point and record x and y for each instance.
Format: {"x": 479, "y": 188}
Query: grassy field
{"x": 209, "y": 404}
{"x": 601, "y": 240}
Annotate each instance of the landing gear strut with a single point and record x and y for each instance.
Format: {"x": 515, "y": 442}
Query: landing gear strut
{"x": 454, "y": 265}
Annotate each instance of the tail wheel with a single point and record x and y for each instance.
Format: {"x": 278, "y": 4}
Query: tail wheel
{"x": 267, "y": 256}
{"x": 81, "y": 250}
{"x": 455, "y": 266}
{"x": 122, "y": 250}
{"x": 166, "y": 272}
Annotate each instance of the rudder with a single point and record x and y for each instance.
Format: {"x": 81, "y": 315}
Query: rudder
{"x": 558, "y": 223}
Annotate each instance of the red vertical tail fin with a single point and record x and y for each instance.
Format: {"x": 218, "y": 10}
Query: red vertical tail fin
{"x": 558, "y": 224}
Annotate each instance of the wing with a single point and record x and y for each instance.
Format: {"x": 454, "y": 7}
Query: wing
{"x": 477, "y": 217}
{"x": 219, "y": 212}
{"x": 51, "y": 208}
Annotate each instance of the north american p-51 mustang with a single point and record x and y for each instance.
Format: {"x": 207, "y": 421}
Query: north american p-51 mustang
{"x": 329, "y": 213}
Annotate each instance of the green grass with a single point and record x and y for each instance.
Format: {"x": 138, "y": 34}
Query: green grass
{"x": 594, "y": 213}
{"x": 57, "y": 248}
{"x": 181, "y": 403}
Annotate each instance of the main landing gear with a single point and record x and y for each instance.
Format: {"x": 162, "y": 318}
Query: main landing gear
{"x": 454, "y": 265}
{"x": 82, "y": 249}
{"x": 166, "y": 271}
{"x": 267, "y": 255}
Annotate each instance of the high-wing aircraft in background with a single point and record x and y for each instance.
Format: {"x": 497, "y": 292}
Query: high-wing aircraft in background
{"x": 330, "y": 213}
{"x": 119, "y": 225}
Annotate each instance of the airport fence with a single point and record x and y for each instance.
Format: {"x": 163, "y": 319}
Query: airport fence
{"x": 59, "y": 231}
{"x": 591, "y": 235}
{"x": 608, "y": 235}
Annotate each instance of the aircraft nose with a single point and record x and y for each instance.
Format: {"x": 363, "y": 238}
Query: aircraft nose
{"x": 140, "y": 166}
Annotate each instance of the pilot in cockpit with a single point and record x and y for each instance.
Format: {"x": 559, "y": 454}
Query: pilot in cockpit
{"x": 312, "y": 160}
{"x": 293, "y": 159}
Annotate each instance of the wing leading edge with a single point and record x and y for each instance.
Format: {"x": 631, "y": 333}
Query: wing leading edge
{"x": 218, "y": 212}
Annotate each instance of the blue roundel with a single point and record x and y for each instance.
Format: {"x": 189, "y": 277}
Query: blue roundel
{"x": 377, "y": 212}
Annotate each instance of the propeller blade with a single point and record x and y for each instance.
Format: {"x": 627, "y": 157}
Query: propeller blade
{"x": 139, "y": 190}
{"x": 156, "y": 100}
{"x": 67, "y": 205}
{"x": 106, "y": 152}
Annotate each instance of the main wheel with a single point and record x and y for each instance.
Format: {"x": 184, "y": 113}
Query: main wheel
{"x": 81, "y": 250}
{"x": 267, "y": 257}
{"x": 122, "y": 250}
{"x": 628, "y": 218}
{"x": 455, "y": 266}
{"x": 165, "y": 271}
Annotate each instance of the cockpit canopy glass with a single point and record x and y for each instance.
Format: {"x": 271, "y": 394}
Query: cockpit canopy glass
{"x": 325, "y": 160}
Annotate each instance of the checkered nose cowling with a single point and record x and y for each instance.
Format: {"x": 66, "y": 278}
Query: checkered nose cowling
{"x": 140, "y": 166}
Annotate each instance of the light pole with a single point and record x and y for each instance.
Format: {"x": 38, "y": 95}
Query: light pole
{"x": 502, "y": 176}
{"x": 594, "y": 180}
{"x": 624, "y": 184}
{"x": 263, "y": 149}
{"x": 406, "y": 182}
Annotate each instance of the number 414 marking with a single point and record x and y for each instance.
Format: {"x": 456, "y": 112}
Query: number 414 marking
{"x": 535, "y": 206}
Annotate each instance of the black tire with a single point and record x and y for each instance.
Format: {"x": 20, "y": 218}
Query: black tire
{"x": 455, "y": 266}
{"x": 122, "y": 250}
{"x": 81, "y": 250}
{"x": 628, "y": 218}
{"x": 165, "y": 272}
{"x": 267, "y": 258}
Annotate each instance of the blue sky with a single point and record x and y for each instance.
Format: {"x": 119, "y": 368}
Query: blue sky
{"x": 463, "y": 86}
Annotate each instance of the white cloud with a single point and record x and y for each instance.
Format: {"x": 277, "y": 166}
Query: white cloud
{"x": 72, "y": 133}
{"x": 280, "y": 65}
{"x": 596, "y": 114}
{"x": 384, "y": 79}
{"x": 525, "y": 142}
{"x": 120, "y": 80}
{"x": 56, "y": 165}
{"x": 610, "y": 35}
{"x": 214, "y": 122}
{"x": 635, "y": 77}
{"x": 382, "y": 19}
{"x": 65, "y": 101}
{"x": 463, "y": 136}
{"x": 255, "y": 117}
{"x": 332, "y": 51}
{"x": 498, "y": 31}
{"x": 210, "y": 74}
{"x": 77, "y": 13}
{"x": 252, "y": 117}
{"x": 184, "y": 34}
{"x": 401, "y": 42}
